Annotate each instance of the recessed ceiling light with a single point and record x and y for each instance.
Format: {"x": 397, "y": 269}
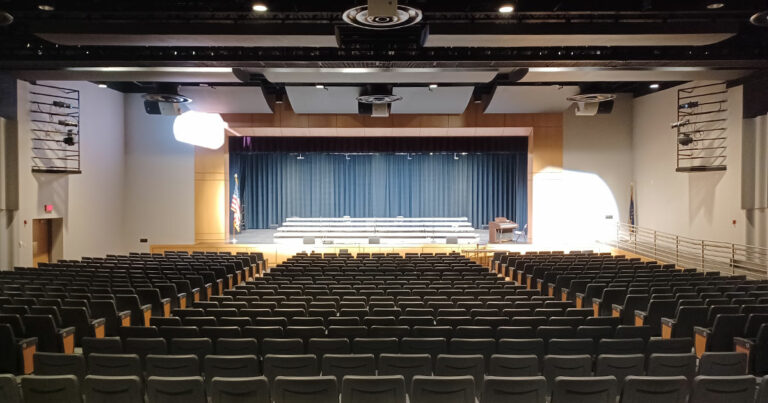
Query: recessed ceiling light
{"x": 46, "y": 7}
{"x": 259, "y": 7}
{"x": 654, "y": 86}
{"x": 319, "y": 86}
{"x": 432, "y": 86}
{"x": 760, "y": 19}
{"x": 714, "y": 5}
{"x": 507, "y": 8}
{"x": 102, "y": 85}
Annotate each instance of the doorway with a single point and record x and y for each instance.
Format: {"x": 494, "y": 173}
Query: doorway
{"x": 42, "y": 241}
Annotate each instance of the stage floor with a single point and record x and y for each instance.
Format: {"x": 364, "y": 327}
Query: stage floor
{"x": 265, "y": 236}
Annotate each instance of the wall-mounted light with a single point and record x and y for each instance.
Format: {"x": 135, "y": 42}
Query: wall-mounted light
{"x": 654, "y": 86}
{"x": 200, "y": 129}
{"x": 507, "y": 8}
{"x": 320, "y": 86}
{"x": 102, "y": 85}
{"x": 714, "y": 4}
{"x": 432, "y": 87}
{"x": 259, "y": 7}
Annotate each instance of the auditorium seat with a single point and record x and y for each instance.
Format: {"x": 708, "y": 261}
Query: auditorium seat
{"x": 9, "y": 391}
{"x": 290, "y": 366}
{"x": 620, "y": 366}
{"x": 60, "y": 364}
{"x": 188, "y": 389}
{"x": 306, "y": 389}
{"x": 667, "y": 389}
{"x": 110, "y": 389}
{"x": 723, "y": 364}
{"x": 172, "y": 365}
{"x": 731, "y": 389}
{"x": 672, "y": 365}
{"x": 115, "y": 365}
{"x": 341, "y": 365}
{"x": 15, "y": 351}
{"x": 531, "y": 389}
{"x": 513, "y": 365}
{"x": 50, "y": 338}
{"x": 458, "y": 365}
{"x": 443, "y": 389}
{"x": 597, "y": 389}
{"x": 239, "y": 389}
{"x": 373, "y": 389}
{"x": 46, "y": 389}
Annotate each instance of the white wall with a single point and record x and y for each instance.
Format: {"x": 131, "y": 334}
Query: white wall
{"x": 159, "y": 181}
{"x": 602, "y": 145}
{"x": 700, "y": 205}
{"x": 90, "y": 203}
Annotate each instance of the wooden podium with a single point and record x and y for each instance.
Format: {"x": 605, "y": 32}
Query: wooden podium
{"x": 501, "y": 230}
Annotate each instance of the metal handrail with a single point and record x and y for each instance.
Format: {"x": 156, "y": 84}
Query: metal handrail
{"x": 706, "y": 255}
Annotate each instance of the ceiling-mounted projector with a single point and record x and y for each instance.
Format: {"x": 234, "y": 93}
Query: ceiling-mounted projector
{"x": 382, "y": 14}
{"x": 593, "y": 104}
{"x": 375, "y": 100}
{"x": 165, "y": 100}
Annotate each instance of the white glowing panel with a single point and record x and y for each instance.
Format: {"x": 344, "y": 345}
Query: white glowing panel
{"x": 226, "y": 99}
{"x": 200, "y": 129}
{"x": 572, "y": 207}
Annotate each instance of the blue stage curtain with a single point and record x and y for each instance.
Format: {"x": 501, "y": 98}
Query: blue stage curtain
{"x": 274, "y": 186}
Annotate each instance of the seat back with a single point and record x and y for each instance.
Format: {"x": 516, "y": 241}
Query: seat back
{"x": 239, "y": 390}
{"x": 9, "y": 391}
{"x": 176, "y": 389}
{"x": 513, "y": 365}
{"x": 290, "y": 365}
{"x": 227, "y": 346}
{"x": 731, "y": 389}
{"x": 725, "y": 328}
{"x": 101, "y": 345}
{"x": 305, "y": 389}
{"x": 113, "y": 389}
{"x": 672, "y": 365}
{"x": 341, "y": 365}
{"x": 59, "y": 364}
{"x": 46, "y": 389}
{"x": 230, "y": 366}
{"x": 667, "y": 389}
{"x": 114, "y": 365}
{"x": 373, "y": 389}
{"x": 523, "y": 389}
{"x": 443, "y": 389}
{"x": 723, "y": 364}
{"x": 172, "y": 365}
{"x": 597, "y": 389}
{"x": 566, "y": 365}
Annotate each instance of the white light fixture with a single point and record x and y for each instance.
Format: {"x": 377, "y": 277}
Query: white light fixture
{"x": 714, "y": 5}
{"x": 102, "y": 85}
{"x": 654, "y": 86}
{"x": 300, "y": 157}
{"x": 319, "y": 86}
{"x": 259, "y": 7}
{"x": 507, "y": 8}
{"x": 200, "y": 129}
{"x": 432, "y": 86}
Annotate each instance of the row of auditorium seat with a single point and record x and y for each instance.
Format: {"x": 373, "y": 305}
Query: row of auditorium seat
{"x": 384, "y": 389}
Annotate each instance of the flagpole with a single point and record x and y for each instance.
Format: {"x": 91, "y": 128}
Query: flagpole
{"x": 234, "y": 240}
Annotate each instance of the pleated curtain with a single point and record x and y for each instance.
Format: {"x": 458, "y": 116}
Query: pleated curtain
{"x": 274, "y": 186}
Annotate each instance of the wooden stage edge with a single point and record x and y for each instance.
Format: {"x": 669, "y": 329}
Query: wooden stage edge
{"x": 276, "y": 254}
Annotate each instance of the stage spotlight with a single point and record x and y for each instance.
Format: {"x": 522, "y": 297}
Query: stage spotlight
{"x": 714, "y": 5}
{"x": 654, "y": 86}
{"x": 684, "y": 139}
{"x": 681, "y": 123}
{"x": 259, "y": 7}
{"x": 455, "y": 156}
{"x": 507, "y": 8}
{"x": 200, "y": 129}
{"x": 760, "y": 19}
{"x": 688, "y": 105}
{"x": 46, "y": 5}
{"x": 300, "y": 157}
{"x": 5, "y": 18}
{"x": 69, "y": 139}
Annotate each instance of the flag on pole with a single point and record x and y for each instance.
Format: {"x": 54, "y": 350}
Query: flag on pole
{"x": 235, "y": 207}
{"x": 632, "y": 204}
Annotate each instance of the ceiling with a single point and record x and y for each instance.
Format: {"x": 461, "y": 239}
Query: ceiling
{"x": 229, "y": 58}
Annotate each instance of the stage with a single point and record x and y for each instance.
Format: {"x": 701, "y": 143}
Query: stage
{"x": 266, "y": 236}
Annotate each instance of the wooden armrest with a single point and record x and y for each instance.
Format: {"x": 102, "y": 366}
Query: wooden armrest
{"x": 208, "y": 290}
{"x": 580, "y": 295}
{"x": 617, "y": 307}
{"x": 229, "y": 282}
{"x": 700, "y": 337}
{"x": 641, "y": 314}
{"x": 147, "y": 311}
{"x": 701, "y": 330}
{"x": 67, "y": 335}
{"x": 125, "y": 318}
{"x": 98, "y": 327}
{"x": 597, "y": 300}
{"x": 182, "y": 300}
{"x": 668, "y": 321}
{"x": 220, "y": 287}
{"x": 195, "y": 294}
{"x": 744, "y": 343}
{"x": 166, "y": 307}
{"x": 27, "y": 350}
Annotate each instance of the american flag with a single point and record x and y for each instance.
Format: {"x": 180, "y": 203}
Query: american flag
{"x": 235, "y": 207}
